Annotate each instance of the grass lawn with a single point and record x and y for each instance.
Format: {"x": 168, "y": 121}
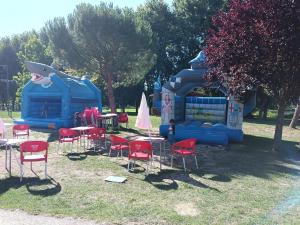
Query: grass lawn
{"x": 249, "y": 184}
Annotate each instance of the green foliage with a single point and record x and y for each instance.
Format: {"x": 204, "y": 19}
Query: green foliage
{"x": 193, "y": 19}
{"x": 160, "y": 18}
{"x": 30, "y": 50}
{"x": 21, "y": 79}
{"x": 8, "y": 56}
{"x": 34, "y": 50}
{"x": 178, "y": 32}
{"x": 104, "y": 40}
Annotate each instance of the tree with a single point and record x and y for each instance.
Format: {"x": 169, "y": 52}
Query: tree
{"x": 295, "y": 118}
{"x": 31, "y": 49}
{"x": 191, "y": 25}
{"x": 258, "y": 43}
{"x": 178, "y": 32}
{"x": 34, "y": 50}
{"x": 159, "y": 17}
{"x": 106, "y": 41}
{"x": 8, "y": 56}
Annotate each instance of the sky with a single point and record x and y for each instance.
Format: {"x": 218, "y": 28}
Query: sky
{"x": 17, "y": 16}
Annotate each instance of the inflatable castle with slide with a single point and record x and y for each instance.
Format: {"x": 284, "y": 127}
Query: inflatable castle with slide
{"x": 212, "y": 120}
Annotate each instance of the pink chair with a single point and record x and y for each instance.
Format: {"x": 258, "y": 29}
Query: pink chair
{"x": 33, "y": 151}
{"x": 21, "y": 130}
{"x": 67, "y": 135}
{"x": 184, "y": 148}
{"x": 139, "y": 151}
{"x": 118, "y": 144}
{"x": 2, "y": 129}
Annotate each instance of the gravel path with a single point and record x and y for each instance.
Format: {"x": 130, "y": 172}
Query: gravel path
{"x": 21, "y": 218}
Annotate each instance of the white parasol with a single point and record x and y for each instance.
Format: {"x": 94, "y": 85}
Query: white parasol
{"x": 143, "y": 120}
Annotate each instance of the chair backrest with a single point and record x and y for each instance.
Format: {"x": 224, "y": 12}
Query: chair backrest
{"x": 88, "y": 116}
{"x": 66, "y": 132}
{"x": 34, "y": 146}
{"x": 20, "y": 127}
{"x": 96, "y": 132}
{"x": 140, "y": 146}
{"x": 123, "y": 117}
{"x": 95, "y": 113}
{"x": 117, "y": 140}
{"x": 187, "y": 144}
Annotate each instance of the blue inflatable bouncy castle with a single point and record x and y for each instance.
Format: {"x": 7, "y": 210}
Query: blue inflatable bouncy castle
{"x": 51, "y": 97}
{"x": 212, "y": 120}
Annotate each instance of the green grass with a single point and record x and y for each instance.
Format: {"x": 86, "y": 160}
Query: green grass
{"x": 249, "y": 184}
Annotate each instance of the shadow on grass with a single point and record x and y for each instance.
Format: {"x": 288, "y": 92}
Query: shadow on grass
{"x": 168, "y": 180}
{"x": 34, "y": 185}
{"x": 52, "y": 134}
{"x": 269, "y": 121}
{"x": 131, "y": 130}
{"x": 254, "y": 157}
{"x": 77, "y": 156}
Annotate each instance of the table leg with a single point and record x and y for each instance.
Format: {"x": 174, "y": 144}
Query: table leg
{"x": 6, "y": 149}
{"x": 160, "y": 146}
{"x": 10, "y": 149}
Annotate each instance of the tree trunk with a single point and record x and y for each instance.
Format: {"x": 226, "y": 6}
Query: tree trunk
{"x": 279, "y": 126}
{"x": 265, "y": 112}
{"x": 110, "y": 95}
{"x": 294, "y": 121}
{"x": 260, "y": 114}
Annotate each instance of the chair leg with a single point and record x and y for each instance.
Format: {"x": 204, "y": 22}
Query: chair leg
{"x": 58, "y": 150}
{"x": 46, "y": 170}
{"x": 183, "y": 160}
{"x": 21, "y": 172}
{"x": 109, "y": 152}
{"x": 196, "y": 161}
{"x": 147, "y": 168}
{"x": 31, "y": 166}
{"x": 128, "y": 167}
{"x": 172, "y": 161}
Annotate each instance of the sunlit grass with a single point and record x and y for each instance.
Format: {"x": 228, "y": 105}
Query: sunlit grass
{"x": 240, "y": 186}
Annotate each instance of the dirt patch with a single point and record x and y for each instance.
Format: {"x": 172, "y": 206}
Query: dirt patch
{"x": 186, "y": 209}
{"x": 19, "y": 217}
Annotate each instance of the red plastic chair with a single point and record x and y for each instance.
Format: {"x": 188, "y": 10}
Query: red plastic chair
{"x": 118, "y": 144}
{"x": 123, "y": 118}
{"x": 88, "y": 116}
{"x": 33, "y": 151}
{"x": 141, "y": 151}
{"x": 96, "y": 114}
{"x": 95, "y": 135}
{"x": 21, "y": 130}
{"x": 184, "y": 148}
{"x": 67, "y": 135}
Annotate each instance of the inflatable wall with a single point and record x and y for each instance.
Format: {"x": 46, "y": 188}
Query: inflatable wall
{"x": 51, "y": 97}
